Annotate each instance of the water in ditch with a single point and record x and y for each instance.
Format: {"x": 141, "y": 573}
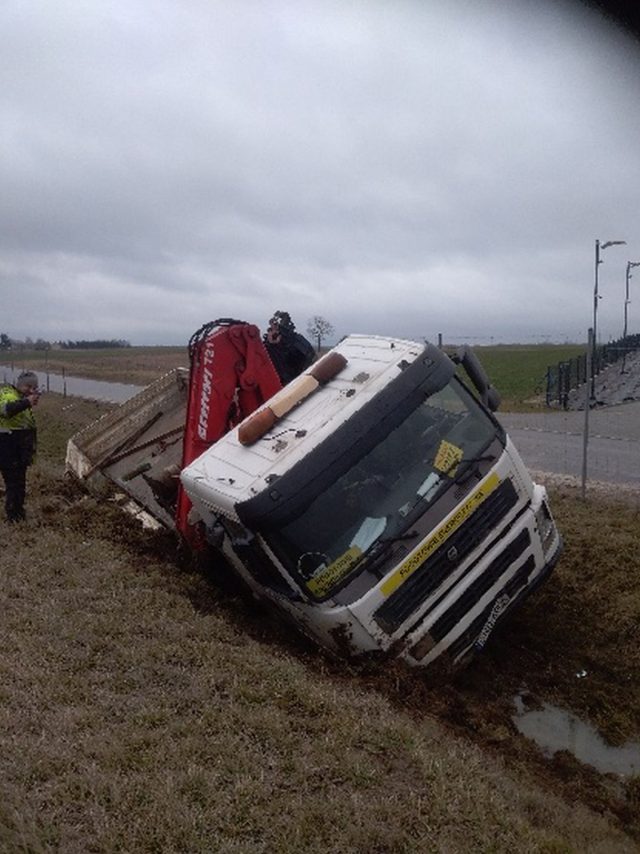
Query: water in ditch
{"x": 554, "y": 729}
{"x": 77, "y": 386}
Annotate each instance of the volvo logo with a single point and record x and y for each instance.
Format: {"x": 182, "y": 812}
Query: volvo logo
{"x": 452, "y": 554}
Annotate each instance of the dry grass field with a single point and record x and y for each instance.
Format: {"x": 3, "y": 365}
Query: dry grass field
{"x": 135, "y": 365}
{"x": 147, "y": 707}
{"x": 517, "y": 371}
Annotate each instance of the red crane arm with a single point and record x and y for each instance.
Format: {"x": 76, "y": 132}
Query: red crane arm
{"x": 230, "y": 376}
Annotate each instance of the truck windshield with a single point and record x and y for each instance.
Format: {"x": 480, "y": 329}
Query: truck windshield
{"x": 324, "y": 546}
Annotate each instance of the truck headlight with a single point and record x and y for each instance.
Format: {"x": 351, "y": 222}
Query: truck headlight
{"x": 546, "y": 526}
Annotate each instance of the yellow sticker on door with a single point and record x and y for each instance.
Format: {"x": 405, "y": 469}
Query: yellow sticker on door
{"x": 447, "y": 458}
{"x": 330, "y": 575}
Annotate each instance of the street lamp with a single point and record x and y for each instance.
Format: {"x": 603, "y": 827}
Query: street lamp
{"x": 630, "y": 264}
{"x": 596, "y": 297}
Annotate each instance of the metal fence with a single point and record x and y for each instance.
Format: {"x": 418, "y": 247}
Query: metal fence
{"x": 562, "y": 378}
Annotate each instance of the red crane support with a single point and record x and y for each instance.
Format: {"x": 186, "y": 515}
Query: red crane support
{"x": 230, "y": 376}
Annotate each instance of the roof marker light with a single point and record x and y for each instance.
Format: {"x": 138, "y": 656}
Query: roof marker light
{"x": 256, "y": 425}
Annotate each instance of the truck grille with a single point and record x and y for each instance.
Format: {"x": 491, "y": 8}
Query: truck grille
{"x": 467, "y": 638}
{"x": 436, "y": 569}
{"x": 481, "y": 585}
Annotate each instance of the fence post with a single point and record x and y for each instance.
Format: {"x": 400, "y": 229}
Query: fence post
{"x": 548, "y": 386}
{"x": 561, "y": 383}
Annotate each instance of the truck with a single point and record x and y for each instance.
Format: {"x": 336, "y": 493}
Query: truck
{"x": 375, "y": 501}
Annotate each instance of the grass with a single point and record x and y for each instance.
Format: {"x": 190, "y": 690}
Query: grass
{"x": 517, "y": 371}
{"x": 146, "y": 709}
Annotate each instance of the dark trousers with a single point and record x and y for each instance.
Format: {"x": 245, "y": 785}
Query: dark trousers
{"x": 16, "y": 454}
{"x": 15, "y": 483}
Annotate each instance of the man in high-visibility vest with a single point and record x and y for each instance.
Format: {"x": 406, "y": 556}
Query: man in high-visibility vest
{"x": 17, "y": 440}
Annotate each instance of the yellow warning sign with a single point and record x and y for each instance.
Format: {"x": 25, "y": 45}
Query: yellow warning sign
{"x": 447, "y": 458}
{"x": 322, "y": 583}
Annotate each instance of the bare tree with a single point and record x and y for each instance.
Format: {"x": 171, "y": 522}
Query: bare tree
{"x": 319, "y": 328}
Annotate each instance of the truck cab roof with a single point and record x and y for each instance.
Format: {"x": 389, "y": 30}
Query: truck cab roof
{"x": 228, "y": 473}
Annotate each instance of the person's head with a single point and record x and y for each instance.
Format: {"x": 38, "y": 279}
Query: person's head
{"x": 281, "y": 322}
{"x": 27, "y": 382}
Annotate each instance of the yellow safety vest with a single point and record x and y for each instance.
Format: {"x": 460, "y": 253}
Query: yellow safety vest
{"x": 24, "y": 420}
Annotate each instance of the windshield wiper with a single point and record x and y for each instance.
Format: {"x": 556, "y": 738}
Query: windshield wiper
{"x": 408, "y": 535}
{"x": 470, "y": 466}
{"x": 445, "y": 482}
{"x": 378, "y": 552}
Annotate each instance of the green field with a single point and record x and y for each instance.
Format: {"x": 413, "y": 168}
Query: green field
{"x": 517, "y": 371}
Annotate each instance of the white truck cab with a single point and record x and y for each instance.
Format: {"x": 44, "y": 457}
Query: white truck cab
{"x": 386, "y": 513}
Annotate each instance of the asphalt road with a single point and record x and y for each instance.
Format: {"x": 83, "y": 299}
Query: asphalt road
{"x": 553, "y": 442}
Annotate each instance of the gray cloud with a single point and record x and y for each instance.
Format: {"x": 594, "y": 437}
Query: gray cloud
{"x": 397, "y": 167}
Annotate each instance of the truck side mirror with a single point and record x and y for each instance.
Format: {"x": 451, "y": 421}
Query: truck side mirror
{"x": 488, "y": 394}
{"x": 493, "y": 399}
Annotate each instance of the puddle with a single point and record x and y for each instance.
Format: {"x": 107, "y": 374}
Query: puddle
{"x": 76, "y": 386}
{"x": 554, "y": 729}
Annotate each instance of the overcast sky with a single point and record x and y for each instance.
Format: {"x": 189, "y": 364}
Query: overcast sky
{"x": 397, "y": 167}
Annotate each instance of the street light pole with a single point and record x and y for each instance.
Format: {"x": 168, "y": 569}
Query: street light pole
{"x": 596, "y": 297}
{"x": 630, "y": 264}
